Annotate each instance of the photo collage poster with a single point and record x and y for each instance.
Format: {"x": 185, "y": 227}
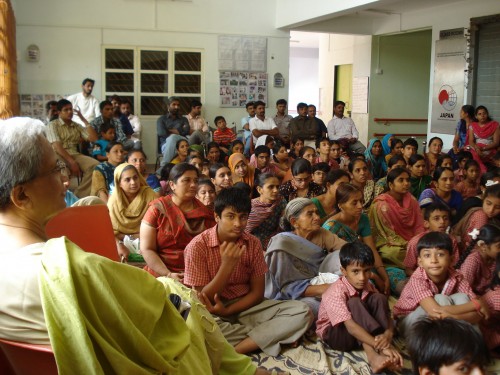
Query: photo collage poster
{"x": 238, "y": 88}
{"x": 33, "y": 105}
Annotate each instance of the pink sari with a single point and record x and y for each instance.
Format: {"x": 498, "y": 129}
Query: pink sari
{"x": 485, "y": 132}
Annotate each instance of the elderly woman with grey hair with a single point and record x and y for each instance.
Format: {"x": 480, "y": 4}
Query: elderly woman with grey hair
{"x": 56, "y": 294}
{"x": 297, "y": 255}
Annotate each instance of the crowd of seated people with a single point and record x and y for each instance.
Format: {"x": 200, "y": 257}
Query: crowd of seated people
{"x": 290, "y": 233}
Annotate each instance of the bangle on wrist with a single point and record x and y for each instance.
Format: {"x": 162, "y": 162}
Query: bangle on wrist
{"x": 477, "y": 306}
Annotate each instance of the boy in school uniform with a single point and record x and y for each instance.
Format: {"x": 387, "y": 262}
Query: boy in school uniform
{"x": 226, "y": 266}
{"x": 223, "y": 135}
{"x": 434, "y": 284}
{"x": 447, "y": 347}
{"x": 353, "y": 312}
{"x": 436, "y": 219}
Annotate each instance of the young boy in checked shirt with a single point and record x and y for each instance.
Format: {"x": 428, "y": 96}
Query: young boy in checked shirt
{"x": 352, "y": 313}
{"x": 226, "y": 266}
{"x": 435, "y": 284}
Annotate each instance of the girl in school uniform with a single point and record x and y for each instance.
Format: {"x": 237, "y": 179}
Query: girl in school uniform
{"x": 478, "y": 266}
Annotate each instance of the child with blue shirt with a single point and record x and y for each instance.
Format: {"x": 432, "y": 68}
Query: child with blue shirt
{"x": 107, "y": 134}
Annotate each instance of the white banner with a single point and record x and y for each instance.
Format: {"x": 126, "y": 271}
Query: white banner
{"x": 448, "y": 88}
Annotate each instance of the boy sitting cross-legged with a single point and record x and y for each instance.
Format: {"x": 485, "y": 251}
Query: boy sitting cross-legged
{"x": 433, "y": 284}
{"x": 226, "y": 266}
{"x": 353, "y": 312}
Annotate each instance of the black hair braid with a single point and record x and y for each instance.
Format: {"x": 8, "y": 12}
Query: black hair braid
{"x": 466, "y": 253}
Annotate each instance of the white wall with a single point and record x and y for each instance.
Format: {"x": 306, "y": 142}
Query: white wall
{"x": 71, "y": 34}
{"x": 304, "y": 82}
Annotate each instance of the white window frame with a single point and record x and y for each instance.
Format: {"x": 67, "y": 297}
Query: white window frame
{"x": 137, "y": 72}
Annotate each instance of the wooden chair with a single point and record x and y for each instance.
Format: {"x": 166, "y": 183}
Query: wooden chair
{"x": 87, "y": 226}
{"x": 19, "y": 358}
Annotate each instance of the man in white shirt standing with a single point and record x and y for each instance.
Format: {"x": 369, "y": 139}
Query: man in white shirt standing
{"x": 261, "y": 125}
{"x": 342, "y": 129}
{"x": 85, "y": 102}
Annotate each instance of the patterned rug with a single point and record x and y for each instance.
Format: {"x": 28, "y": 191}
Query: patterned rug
{"x": 314, "y": 358}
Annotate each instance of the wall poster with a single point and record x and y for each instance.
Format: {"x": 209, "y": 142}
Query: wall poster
{"x": 448, "y": 87}
{"x": 238, "y": 88}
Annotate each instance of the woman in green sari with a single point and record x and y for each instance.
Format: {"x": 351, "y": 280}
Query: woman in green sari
{"x": 351, "y": 224}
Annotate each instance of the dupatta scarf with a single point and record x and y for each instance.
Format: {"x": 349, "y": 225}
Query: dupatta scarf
{"x": 126, "y": 216}
{"x": 233, "y": 160}
{"x": 484, "y": 132}
{"x": 263, "y": 221}
{"x": 385, "y": 143}
{"x": 377, "y": 164}
{"x": 405, "y": 220}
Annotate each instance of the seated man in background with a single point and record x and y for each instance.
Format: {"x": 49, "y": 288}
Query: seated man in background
{"x": 198, "y": 128}
{"x": 304, "y": 127}
{"x": 51, "y": 111}
{"x": 126, "y": 111}
{"x": 226, "y": 266}
{"x": 245, "y": 125}
{"x": 322, "y": 131}
{"x": 343, "y": 129}
{"x": 261, "y": 125}
{"x": 127, "y": 128}
{"x": 282, "y": 121}
{"x": 65, "y": 136}
{"x": 171, "y": 127}
{"x": 99, "y": 316}
{"x": 107, "y": 116}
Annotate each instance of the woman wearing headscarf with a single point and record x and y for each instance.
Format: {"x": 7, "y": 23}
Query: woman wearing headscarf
{"x": 297, "y": 255}
{"x": 128, "y": 204}
{"x": 241, "y": 171}
{"x": 386, "y": 143}
{"x": 375, "y": 159}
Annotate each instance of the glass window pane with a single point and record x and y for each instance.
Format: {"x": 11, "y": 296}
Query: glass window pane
{"x": 153, "y": 105}
{"x": 119, "y": 59}
{"x": 185, "y": 104}
{"x": 154, "y": 83}
{"x": 154, "y": 60}
{"x": 187, "y": 84}
{"x": 119, "y": 82}
{"x": 188, "y": 61}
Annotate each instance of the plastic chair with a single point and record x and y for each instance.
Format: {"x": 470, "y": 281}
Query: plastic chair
{"x": 87, "y": 226}
{"x": 26, "y": 359}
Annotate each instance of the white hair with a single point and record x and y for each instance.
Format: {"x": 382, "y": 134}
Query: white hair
{"x": 20, "y": 153}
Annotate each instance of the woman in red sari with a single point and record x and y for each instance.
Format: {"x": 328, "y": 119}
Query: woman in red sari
{"x": 395, "y": 218}
{"x": 483, "y": 138}
{"x": 171, "y": 222}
